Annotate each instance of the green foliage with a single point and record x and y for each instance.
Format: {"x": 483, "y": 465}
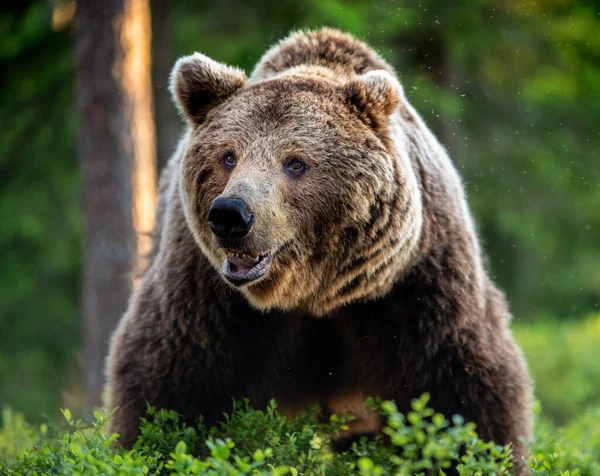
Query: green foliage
{"x": 40, "y": 235}
{"x": 257, "y": 442}
{"x": 564, "y": 360}
{"x": 574, "y": 447}
{"x": 252, "y": 442}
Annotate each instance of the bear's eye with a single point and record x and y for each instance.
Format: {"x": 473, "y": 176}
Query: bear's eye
{"x": 294, "y": 166}
{"x": 229, "y": 159}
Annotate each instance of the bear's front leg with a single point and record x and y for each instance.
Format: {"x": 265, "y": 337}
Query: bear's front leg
{"x": 488, "y": 386}
{"x": 160, "y": 356}
{"x": 126, "y": 384}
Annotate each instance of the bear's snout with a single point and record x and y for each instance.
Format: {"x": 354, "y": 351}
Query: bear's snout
{"x": 230, "y": 218}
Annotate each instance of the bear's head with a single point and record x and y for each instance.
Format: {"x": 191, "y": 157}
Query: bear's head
{"x": 297, "y": 188}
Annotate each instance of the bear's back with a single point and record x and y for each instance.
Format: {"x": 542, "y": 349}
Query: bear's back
{"x": 327, "y": 48}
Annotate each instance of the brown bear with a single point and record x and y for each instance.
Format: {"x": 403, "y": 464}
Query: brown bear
{"x": 313, "y": 245}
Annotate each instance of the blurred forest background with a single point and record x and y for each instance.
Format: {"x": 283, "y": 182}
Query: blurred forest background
{"x": 511, "y": 87}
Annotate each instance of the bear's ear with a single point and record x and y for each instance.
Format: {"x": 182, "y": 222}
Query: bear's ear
{"x": 374, "y": 96}
{"x": 199, "y": 83}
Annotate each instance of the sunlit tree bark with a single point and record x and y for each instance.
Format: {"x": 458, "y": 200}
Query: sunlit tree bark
{"x": 117, "y": 157}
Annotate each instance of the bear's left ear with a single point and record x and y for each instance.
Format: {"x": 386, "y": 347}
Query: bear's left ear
{"x": 374, "y": 96}
{"x": 199, "y": 83}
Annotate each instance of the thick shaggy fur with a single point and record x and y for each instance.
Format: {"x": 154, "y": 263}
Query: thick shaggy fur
{"x": 377, "y": 287}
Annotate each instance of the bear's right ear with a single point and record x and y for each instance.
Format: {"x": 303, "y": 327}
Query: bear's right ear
{"x": 199, "y": 83}
{"x": 374, "y": 96}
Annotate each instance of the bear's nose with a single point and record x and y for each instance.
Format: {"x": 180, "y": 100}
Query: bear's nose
{"x": 230, "y": 218}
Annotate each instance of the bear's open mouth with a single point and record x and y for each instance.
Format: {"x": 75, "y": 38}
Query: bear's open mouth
{"x": 243, "y": 267}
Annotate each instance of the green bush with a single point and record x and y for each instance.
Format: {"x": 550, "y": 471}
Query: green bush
{"x": 564, "y": 361}
{"x": 574, "y": 447}
{"x": 257, "y": 442}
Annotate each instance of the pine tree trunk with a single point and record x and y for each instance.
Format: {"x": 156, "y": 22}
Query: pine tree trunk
{"x": 167, "y": 123}
{"x": 117, "y": 159}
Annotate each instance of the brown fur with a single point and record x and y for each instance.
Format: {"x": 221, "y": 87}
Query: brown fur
{"x": 377, "y": 287}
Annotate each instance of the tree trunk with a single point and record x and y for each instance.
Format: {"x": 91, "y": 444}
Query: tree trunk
{"x": 167, "y": 122}
{"x": 117, "y": 158}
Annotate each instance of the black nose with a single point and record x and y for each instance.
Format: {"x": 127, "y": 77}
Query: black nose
{"x": 230, "y": 218}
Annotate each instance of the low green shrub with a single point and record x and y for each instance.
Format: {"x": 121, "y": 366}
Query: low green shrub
{"x": 258, "y": 442}
{"x": 564, "y": 361}
{"x": 573, "y": 449}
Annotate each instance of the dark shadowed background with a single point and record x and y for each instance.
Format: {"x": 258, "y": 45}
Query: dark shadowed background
{"x": 510, "y": 87}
